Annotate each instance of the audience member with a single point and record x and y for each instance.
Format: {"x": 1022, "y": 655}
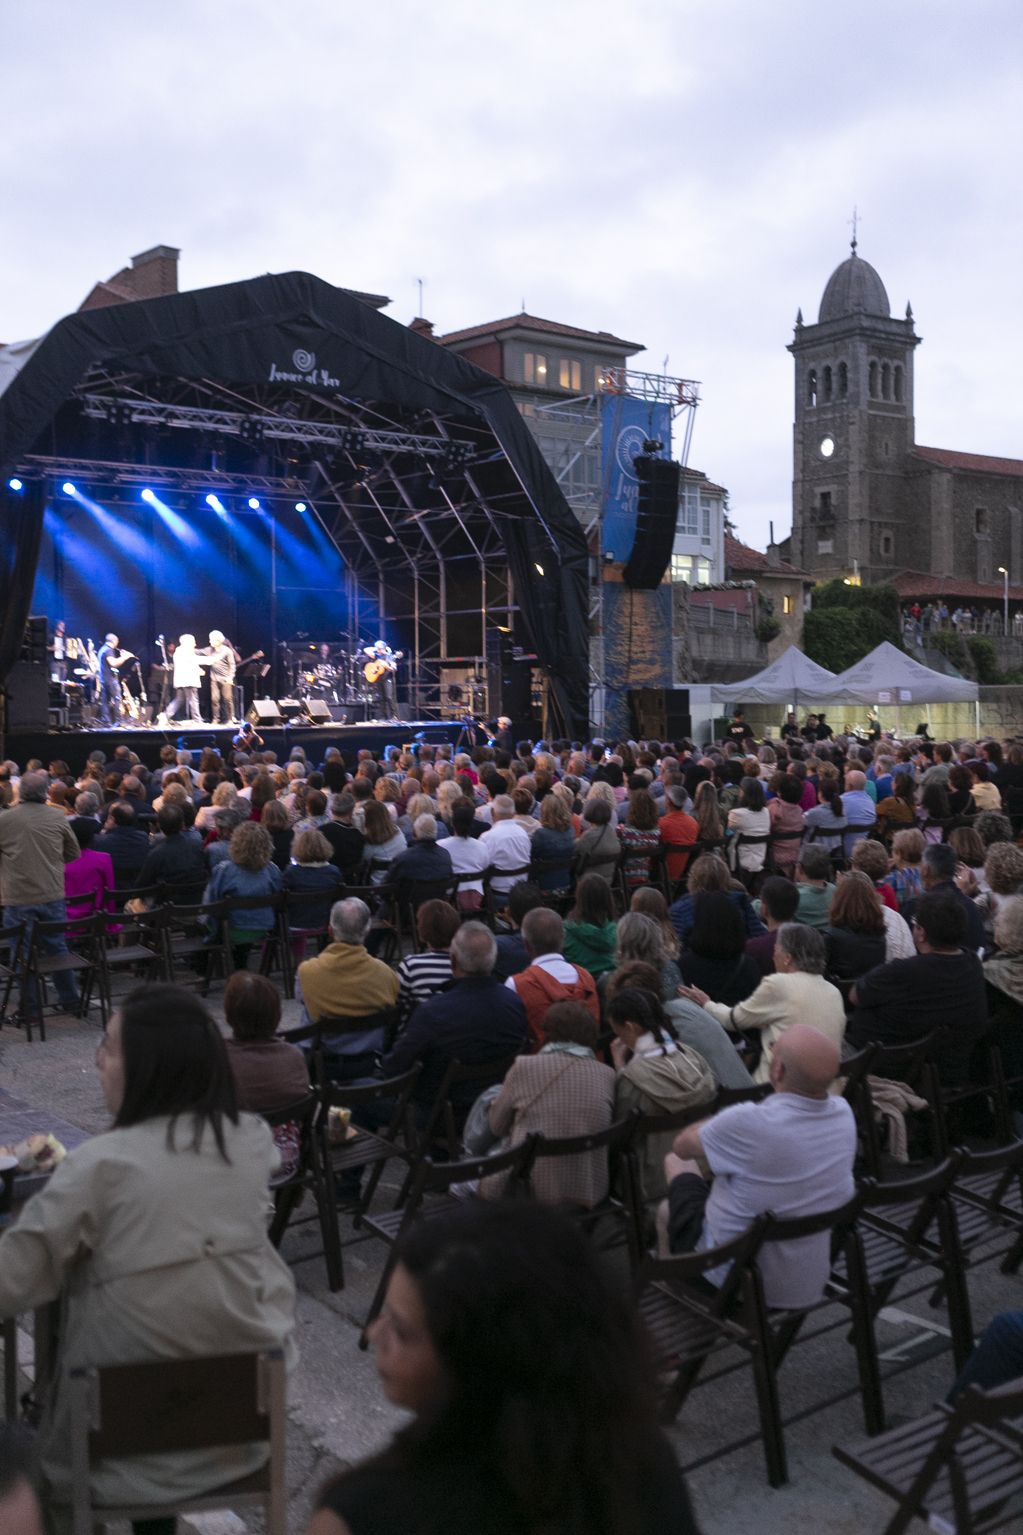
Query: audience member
{"x": 904, "y": 878}
{"x": 429, "y": 971}
{"x": 714, "y": 955}
{"x": 345, "y": 981}
{"x": 590, "y": 929}
{"x": 937, "y": 873}
{"x": 678, "y": 831}
{"x": 36, "y": 842}
{"x": 89, "y": 878}
{"x": 512, "y": 955}
{"x": 710, "y": 872}
{"x": 778, "y": 903}
{"x": 125, "y": 843}
{"x": 750, "y": 818}
{"x": 816, "y": 890}
{"x": 346, "y": 840}
{"x": 549, "y": 978}
{"x": 641, "y": 938}
{"x": 507, "y": 846}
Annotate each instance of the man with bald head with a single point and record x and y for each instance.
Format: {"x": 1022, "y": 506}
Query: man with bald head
{"x": 791, "y": 1154}
{"x": 860, "y": 810}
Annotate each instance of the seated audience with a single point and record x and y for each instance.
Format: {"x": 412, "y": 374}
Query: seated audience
{"x": 750, "y": 818}
{"x": 1003, "y": 977}
{"x": 598, "y": 848}
{"x": 247, "y": 871}
{"x": 384, "y": 843}
{"x": 656, "y": 1074}
{"x": 507, "y": 847}
{"x": 791, "y": 1154}
{"x": 345, "y": 981}
{"x": 714, "y": 955}
{"x": 639, "y": 834}
{"x": 899, "y": 807}
{"x": 937, "y": 873}
{"x": 814, "y": 883}
{"x": 1003, "y": 878}
{"x": 512, "y": 954}
{"x": 710, "y": 872}
{"x": 312, "y": 879}
{"x": 795, "y": 992}
{"x": 549, "y": 977}
{"x": 903, "y": 878}
{"x": 175, "y": 860}
{"x": 346, "y": 840}
{"x": 500, "y": 1328}
{"x": 125, "y": 842}
{"x": 429, "y": 971}
{"x": 590, "y": 928}
{"x": 934, "y": 812}
{"x": 678, "y": 831}
{"x": 778, "y": 903}
{"x": 423, "y": 870}
{"x": 650, "y": 902}
{"x": 940, "y": 988}
{"x": 468, "y": 855}
{"x": 89, "y": 878}
{"x": 554, "y": 843}
{"x": 642, "y": 938}
{"x": 121, "y": 1234}
{"x": 786, "y": 822}
{"x": 562, "y": 1091}
{"x": 692, "y": 1025}
{"x": 855, "y": 934}
{"x": 268, "y": 1073}
{"x": 825, "y": 822}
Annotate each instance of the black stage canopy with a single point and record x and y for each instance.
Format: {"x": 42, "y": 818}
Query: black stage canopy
{"x": 420, "y": 466}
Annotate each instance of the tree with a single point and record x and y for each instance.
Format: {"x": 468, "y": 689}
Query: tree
{"x": 847, "y": 622}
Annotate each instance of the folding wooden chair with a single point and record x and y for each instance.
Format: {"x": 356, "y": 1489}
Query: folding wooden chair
{"x": 12, "y": 960}
{"x": 959, "y": 1468}
{"x": 442, "y": 1126}
{"x": 308, "y": 1174}
{"x": 172, "y": 1405}
{"x": 84, "y": 937}
{"x": 614, "y": 1142}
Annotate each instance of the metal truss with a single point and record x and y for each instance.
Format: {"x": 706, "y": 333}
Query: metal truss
{"x": 185, "y": 481}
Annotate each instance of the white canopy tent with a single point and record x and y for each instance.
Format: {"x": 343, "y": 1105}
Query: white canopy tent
{"x": 791, "y": 677}
{"x": 889, "y": 676}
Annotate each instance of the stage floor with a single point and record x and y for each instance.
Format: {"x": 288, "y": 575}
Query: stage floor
{"x": 74, "y": 746}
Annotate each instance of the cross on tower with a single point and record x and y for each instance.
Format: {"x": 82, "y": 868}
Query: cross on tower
{"x": 853, "y": 223}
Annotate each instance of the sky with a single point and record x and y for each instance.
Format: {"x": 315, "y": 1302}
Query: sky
{"x": 679, "y": 172}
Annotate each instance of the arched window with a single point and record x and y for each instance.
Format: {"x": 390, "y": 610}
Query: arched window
{"x": 827, "y": 383}
{"x": 843, "y": 380}
{"x": 873, "y": 380}
{"x": 811, "y": 387}
{"x": 886, "y": 381}
{"x": 898, "y": 383}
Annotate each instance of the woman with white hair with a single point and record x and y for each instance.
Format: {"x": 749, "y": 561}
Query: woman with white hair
{"x": 187, "y": 676}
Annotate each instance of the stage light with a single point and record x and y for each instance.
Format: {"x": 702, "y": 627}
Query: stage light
{"x": 253, "y": 503}
{"x": 217, "y": 505}
{"x": 68, "y": 488}
{"x": 15, "y": 484}
{"x": 150, "y": 496}
{"x": 300, "y": 506}
{"x": 538, "y": 568}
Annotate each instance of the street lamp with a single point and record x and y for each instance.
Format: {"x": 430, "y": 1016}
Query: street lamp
{"x": 1005, "y": 599}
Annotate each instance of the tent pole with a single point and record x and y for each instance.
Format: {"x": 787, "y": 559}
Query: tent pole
{"x": 976, "y": 715}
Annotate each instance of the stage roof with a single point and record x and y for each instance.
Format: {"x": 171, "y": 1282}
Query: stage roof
{"x": 422, "y": 458}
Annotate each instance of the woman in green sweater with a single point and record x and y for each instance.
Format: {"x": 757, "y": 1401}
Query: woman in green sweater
{"x": 590, "y": 929}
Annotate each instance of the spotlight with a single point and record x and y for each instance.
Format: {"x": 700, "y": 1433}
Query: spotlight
{"x": 68, "y": 488}
{"x": 150, "y": 496}
{"x": 216, "y": 503}
{"x": 300, "y": 506}
{"x": 538, "y": 568}
{"x": 253, "y": 503}
{"x": 15, "y": 484}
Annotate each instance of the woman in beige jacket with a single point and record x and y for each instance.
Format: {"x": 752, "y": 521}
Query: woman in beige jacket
{"x": 155, "y": 1235}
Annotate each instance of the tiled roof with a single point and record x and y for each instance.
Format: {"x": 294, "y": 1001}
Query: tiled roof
{"x": 980, "y": 463}
{"x": 739, "y": 556}
{"x": 525, "y": 321}
{"x": 913, "y": 583}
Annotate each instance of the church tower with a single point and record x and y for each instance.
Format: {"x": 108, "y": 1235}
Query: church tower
{"x": 853, "y": 431}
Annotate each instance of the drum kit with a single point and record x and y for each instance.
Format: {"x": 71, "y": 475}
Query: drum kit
{"x": 329, "y": 673}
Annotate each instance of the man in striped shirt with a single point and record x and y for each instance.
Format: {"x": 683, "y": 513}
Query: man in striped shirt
{"x": 422, "y": 974}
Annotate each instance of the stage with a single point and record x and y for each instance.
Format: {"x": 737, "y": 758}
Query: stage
{"x": 74, "y": 746}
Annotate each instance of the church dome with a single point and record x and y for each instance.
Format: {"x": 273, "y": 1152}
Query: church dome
{"x": 854, "y": 288}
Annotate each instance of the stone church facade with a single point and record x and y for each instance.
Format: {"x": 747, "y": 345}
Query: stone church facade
{"x": 867, "y": 499}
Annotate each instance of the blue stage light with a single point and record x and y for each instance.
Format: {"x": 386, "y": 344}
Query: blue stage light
{"x": 15, "y": 484}
{"x": 68, "y": 488}
{"x": 253, "y": 503}
{"x": 216, "y": 503}
{"x": 300, "y": 506}
{"x": 150, "y": 496}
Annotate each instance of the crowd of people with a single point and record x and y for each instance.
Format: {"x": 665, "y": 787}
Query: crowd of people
{"x": 610, "y": 929}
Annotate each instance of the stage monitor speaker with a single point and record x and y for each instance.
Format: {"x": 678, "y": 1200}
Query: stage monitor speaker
{"x": 28, "y": 696}
{"x": 290, "y": 708}
{"x": 317, "y": 711}
{"x": 656, "y": 520}
{"x": 264, "y": 711}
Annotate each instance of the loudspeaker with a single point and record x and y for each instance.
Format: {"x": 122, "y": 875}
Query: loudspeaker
{"x": 317, "y": 711}
{"x": 339, "y": 713}
{"x": 28, "y": 695}
{"x": 289, "y": 708}
{"x": 33, "y": 645}
{"x": 656, "y": 519}
{"x": 264, "y": 711}
{"x": 660, "y": 714}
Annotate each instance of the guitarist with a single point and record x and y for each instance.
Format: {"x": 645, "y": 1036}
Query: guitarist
{"x": 110, "y": 660}
{"x": 380, "y": 668}
{"x": 223, "y": 661}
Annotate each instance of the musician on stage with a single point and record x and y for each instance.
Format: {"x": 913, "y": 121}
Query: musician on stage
{"x": 111, "y": 658}
{"x": 187, "y": 676}
{"x": 223, "y": 660}
{"x": 248, "y": 738}
{"x": 385, "y": 661}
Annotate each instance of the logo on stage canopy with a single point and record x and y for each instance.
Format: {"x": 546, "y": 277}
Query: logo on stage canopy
{"x": 305, "y": 371}
{"x": 630, "y": 442}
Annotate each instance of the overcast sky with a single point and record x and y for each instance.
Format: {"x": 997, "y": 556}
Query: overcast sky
{"x": 680, "y": 172}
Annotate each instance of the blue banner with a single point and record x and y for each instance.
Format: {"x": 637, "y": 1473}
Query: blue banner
{"x": 626, "y": 424}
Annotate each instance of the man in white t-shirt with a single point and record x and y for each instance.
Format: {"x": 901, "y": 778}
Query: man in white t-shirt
{"x": 506, "y": 844}
{"x": 791, "y": 1154}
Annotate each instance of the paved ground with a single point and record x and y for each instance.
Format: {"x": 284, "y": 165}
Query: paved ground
{"x": 338, "y": 1414}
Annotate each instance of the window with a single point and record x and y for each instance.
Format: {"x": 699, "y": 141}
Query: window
{"x": 825, "y": 546}
{"x": 843, "y": 380}
{"x": 688, "y": 514}
{"x": 887, "y": 546}
{"x": 705, "y": 522}
{"x": 886, "y": 381}
{"x": 824, "y": 504}
{"x": 981, "y": 522}
{"x": 534, "y": 369}
{"x": 872, "y": 376}
{"x": 691, "y": 568}
{"x": 570, "y": 374}
{"x": 811, "y": 387}
{"x": 788, "y": 606}
{"x": 898, "y": 384}
{"x": 827, "y": 383}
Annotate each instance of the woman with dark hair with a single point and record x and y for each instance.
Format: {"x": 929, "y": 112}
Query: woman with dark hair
{"x": 89, "y": 878}
{"x": 933, "y": 812}
{"x": 277, "y": 822}
{"x": 531, "y": 1388}
{"x": 749, "y": 819}
{"x": 639, "y": 833}
{"x": 590, "y": 929}
{"x": 655, "y": 1074}
{"x": 264, "y": 790}
{"x": 268, "y": 1072}
{"x": 960, "y": 783}
{"x": 384, "y": 840}
{"x": 714, "y": 957}
{"x": 155, "y": 1234}
{"x": 898, "y": 809}
{"x": 707, "y": 813}
{"x": 421, "y": 975}
{"x": 855, "y": 934}
{"x": 786, "y": 820}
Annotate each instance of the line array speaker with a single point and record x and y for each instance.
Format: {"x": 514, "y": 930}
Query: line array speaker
{"x": 656, "y": 519}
